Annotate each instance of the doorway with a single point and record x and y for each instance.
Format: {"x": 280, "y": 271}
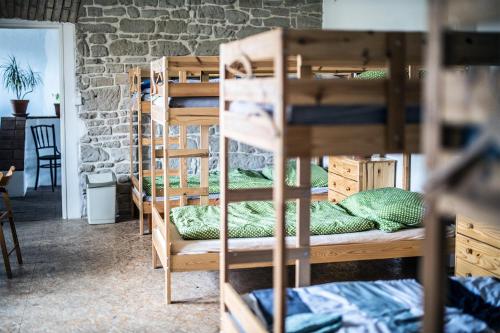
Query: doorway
{"x": 49, "y": 49}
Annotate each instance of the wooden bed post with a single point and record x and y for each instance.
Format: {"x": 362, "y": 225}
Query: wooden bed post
{"x": 434, "y": 278}
{"x": 223, "y": 264}
{"x": 204, "y": 144}
{"x": 152, "y": 167}
{"x": 303, "y": 266}
{"x": 279, "y": 190}
{"x": 183, "y": 174}
{"x": 131, "y": 141}
{"x": 166, "y": 182}
{"x": 407, "y": 171}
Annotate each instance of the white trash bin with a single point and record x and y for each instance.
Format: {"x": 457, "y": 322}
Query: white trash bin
{"x": 101, "y": 198}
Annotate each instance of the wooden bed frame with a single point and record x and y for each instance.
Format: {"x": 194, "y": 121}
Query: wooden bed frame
{"x": 183, "y": 67}
{"x": 396, "y": 50}
{"x": 327, "y": 48}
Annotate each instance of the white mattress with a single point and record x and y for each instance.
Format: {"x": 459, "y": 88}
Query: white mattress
{"x": 314, "y": 190}
{"x": 180, "y": 246}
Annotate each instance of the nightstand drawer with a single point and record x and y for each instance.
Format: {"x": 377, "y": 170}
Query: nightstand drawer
{"x": 335, "y": 197}
{"x": 345, "y": 167}
{"x": 479, "y": 254}
{"x": 488, "y": 233}
{"x": 342, "y": 185}
{"x": 463, "y": 268}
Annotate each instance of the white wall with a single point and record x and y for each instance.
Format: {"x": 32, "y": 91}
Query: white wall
{"x": 38, "y": 48}
{"x": 407, "y": 15}
{"x": 402, "y": 15}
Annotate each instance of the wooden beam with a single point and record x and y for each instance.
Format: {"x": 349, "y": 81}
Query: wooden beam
{"x": 256, "y": 256}
{"x": 240, "y": 311}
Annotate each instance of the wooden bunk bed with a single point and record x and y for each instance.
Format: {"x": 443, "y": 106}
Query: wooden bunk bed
{"x": 464, "y": 169}
{"x": 181, "y": 71}
{"x": 139, "y": 108}
{"x": 140, "y": 164}
{"x": 331, "y": 47}
{"x": 290, "y": 135}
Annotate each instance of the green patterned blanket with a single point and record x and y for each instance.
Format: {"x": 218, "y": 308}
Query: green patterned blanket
{"x": 241, "y": 178}
{"x": 388, "y": 209}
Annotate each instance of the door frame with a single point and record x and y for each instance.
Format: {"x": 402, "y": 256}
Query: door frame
{"x": 72, "y": 127}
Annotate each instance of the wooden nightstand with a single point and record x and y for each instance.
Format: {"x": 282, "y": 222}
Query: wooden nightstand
{"x": 348, "y": 175}
{"x": 477, "y": 248}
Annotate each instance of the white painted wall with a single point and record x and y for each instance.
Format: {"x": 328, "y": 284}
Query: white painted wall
{"x": 405, "y": 15}
{"x": 385, "y": 15}
{"x": 38, "y": 48}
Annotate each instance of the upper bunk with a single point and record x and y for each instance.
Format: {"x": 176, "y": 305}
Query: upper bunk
{"x": 185, "y": 90}
{"x": 138, "y": 79}
{"x": 316, "y": 115}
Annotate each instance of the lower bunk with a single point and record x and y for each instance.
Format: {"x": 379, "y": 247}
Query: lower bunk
{"x": 376, "y": 224}
{"x": 473, "y": 305}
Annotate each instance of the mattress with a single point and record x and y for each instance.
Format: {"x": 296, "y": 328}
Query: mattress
{"x": 314, "y": 191}
{"x": 472, "y": 305}
{"x": 181, "y": 246}
{"x": 329, "y": 114}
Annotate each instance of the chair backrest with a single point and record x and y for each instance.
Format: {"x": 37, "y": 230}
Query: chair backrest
{"x": 5, "y": 177}
{"x": 45, "y": 138}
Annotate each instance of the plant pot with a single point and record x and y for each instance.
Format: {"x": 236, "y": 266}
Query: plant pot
{"x": 57, "y": 107}
{"x": 19, "y": 106}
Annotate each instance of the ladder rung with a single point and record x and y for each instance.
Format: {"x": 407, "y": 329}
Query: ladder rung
{"x": 174, "y": 153}
{"x": 255, "y": 256}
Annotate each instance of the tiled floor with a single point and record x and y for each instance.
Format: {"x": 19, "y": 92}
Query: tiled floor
{"x": 82, "y": 278}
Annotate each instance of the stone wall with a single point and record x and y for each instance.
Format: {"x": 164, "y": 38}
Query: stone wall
{"x": 114, "y": 35}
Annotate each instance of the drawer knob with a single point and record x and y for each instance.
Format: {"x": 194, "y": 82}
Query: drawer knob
{"x": 470, "y": 226}
{"x": 334, "y": 183}
{"x": 348, "y": 170}
{"x": 468, "y": 250}
{"x": 347, "y": 188}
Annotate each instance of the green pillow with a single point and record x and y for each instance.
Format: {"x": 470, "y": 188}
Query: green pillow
{"x": 372, "y": 75}
{"x": 319, "y": 176}
{"x": 391, "y": 208}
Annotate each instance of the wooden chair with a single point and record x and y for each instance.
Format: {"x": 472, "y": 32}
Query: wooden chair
{"x": 46, "y": 150}
{"x": 7, "y": 214}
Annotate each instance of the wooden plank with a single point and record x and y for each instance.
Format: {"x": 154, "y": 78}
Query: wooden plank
{"x": 407, "y": 172}
{"x": 187, "y": 191}
{"x": 303, "y": 265}
{"x": 183, "y": 164}
{"x": 204, "y": 163}
{"x": 466, "y": 269}
{"x": 255, "y": 256}
{"x": 480, "y": 230}
{"x": 346, "y": 92}
{"x": 240, "y": 311}
{"x": 257, "y": 131}
{"x": 257, "y": 90}
{"x": 202, "y": 89}
{"x": 350, "y": 48}
{"x": 176, "y": 153}
{"x": 479, "y": 254}
{"x": 228, "y": 324}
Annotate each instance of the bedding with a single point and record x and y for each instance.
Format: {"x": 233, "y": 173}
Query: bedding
{"x": 319, "y": 176}
{"x": 328, "y": 114}
{"x": 256, "y": 218}
{"x": 473, "y": 305}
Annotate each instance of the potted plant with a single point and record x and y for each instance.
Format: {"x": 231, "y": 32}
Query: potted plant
{"x": 57, "y": 104}
{"x": 21, "y": 81}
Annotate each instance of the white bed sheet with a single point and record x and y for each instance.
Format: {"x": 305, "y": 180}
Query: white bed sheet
{"x": 181, "y": 246}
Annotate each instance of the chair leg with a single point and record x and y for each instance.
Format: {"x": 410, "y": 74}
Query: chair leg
{"x": 37, "y": 173}
{"x": 55, "y": 173}
{"x": 10, "y": 215}
{"x": 5, "y": 253}
{"x": 51, "y": 176}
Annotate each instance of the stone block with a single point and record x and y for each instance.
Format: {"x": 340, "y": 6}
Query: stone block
{"x": 168, "y": 48}
{"x": 97, "y": 39}
{"x": 89, "y": 153}
{"x": 101, "y": 99}
{"x": 308, "y": 22}
{"x": 114, "y": 11}
{"x": 123, "y": 47}
{"x": 138, "y": 25}
{"x": 106, "y": 2}
{"x": 133, "y": 12}
{"x": 209, "y": 47}
{"x": 211, "y": 12}
{"x": 277, "y": 22}
{"x": 98, "y": 51}
{"x": 171, "y": 26}
{"x": 236, "y": 16}
{"x": 95, "y": 28}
